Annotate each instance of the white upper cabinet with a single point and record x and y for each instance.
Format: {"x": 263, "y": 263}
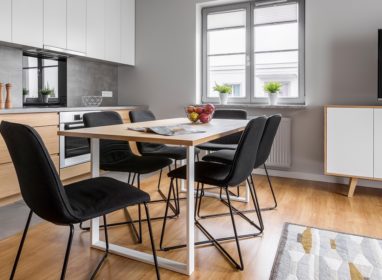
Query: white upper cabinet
{"x": 76, "y": 25}
{"x": 6, "y": 20}
{"x": 55, "y": 23}
{"x": 95, "y": 29}
{"x": 128, "y": 32}
{"x": 113, "y": 30}
{"x": 100, "y": 29}
{"x": 27, "y": 22}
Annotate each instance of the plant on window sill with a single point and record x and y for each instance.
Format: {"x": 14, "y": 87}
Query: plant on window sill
{"x": 273, "y": 91}
{"x": 224, "y": 91}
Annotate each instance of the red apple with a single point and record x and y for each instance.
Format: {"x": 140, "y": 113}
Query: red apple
{"x": 190, "y": 109}
{"x": 209, "y": 108}
{"x": 199, "y": 110}
{"x": 204, "y": 118}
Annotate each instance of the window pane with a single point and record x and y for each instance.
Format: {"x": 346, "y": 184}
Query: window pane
{"x": 228, "y": 69}
{"x": 226, "y": 19}
{"x": 281, "y": 67}
{"x": 272, "y": 38}
{"x": 276, "y": 37}
{"x": 51, "y": 79}
{"x": 276, "y": 14}
{"x": 29, "y": 62}
{"x": 30, "y": 82}
{"x": 226, "y": 41}
{"x": 49, "y": 62}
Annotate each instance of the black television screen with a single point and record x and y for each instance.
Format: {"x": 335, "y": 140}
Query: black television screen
{"x": 380, "y": 64}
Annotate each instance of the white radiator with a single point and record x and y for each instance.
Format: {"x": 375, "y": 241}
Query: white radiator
{"x": 280, "y": 155}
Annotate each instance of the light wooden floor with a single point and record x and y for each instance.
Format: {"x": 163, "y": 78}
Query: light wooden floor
{"x": 303, "y": 202}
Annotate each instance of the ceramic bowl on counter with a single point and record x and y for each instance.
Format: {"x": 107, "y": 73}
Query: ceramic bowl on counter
{"x": 91, "y": 101}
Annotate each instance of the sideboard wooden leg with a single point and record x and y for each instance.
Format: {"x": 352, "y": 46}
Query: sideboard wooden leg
{"x": 352, "y": 184}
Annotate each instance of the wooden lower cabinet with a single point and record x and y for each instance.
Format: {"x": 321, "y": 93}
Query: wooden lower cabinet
{"x": 74, "y": 171}
{"x": 48, "y": 135}
{"x": 47, "y": 125}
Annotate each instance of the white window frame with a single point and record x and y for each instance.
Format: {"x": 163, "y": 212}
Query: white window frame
{"x": 250, "y": 63}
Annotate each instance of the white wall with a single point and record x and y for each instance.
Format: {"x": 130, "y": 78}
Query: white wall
{"x": 341, "y": 65}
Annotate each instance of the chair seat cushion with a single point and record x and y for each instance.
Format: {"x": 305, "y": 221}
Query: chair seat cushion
{"x": 173, "y": 152}
{"x": 98, "y": 196}
{"x": 222, "y": 156}
{"x": 217, "y": 147}
{"x": 210, "y": 173}
{"x": 137, "y": 164}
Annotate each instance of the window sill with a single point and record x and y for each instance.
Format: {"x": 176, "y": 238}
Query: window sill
{"x": 263, "y": 106}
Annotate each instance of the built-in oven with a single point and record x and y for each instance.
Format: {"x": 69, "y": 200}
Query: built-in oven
{"x": 73, "y": 150}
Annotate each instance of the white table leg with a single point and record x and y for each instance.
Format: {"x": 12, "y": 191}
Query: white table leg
{"x": 190, "y": 210}
{"x": 94, "y": 149}
{"x": 141, "y": 256}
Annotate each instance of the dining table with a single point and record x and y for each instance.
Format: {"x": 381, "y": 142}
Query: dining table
{"x": 201, "y": 133}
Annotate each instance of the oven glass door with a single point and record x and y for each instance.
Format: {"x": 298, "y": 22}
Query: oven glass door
{"x": 76, "y": 150}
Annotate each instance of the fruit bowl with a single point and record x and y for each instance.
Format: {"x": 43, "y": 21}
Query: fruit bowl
{"x": 200, "y": 114}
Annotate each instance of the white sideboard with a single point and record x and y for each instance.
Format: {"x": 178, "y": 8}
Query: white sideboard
{"x": 353, "y": 143}
{"x": 98, "y": 29}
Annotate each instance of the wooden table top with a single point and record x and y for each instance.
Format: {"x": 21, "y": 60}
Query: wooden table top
{"x": 217, "y": 128}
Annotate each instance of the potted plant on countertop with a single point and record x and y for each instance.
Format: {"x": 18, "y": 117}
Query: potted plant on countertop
{"x": 273, "y": 90}
{"x": 25, "y": 94}
{"x": 224, "y": 91}
{"x": 45, "y": 92}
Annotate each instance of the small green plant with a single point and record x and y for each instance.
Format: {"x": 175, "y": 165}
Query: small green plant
{"x": 47, "y": 90}
{"x": 25, "y": 91}
{"x": 227, "y": 89}
{"x": 272, "y": 87}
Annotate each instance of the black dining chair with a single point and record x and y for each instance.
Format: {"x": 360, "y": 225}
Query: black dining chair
{"x": 228, "y": 142}
{"x": 117, "y": 156}
{"x": 44, "y": 194}
{"x": 227, "y": 156}
{"x": 161, "y": 150}
{"x": 226, "y": 176}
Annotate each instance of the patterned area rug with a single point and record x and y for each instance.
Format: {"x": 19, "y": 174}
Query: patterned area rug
{"x": 310, "y": 253}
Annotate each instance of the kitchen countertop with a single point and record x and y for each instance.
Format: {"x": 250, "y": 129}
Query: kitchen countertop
{"x": 26, "y": 110}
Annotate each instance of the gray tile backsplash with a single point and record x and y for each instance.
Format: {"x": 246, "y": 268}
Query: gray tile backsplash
{"x": 11, "y": 72}
{"x": 84, "y": 78}
{"x": 90, "y": 78}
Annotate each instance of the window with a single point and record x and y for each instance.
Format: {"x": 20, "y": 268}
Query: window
{"x": 43, "y": 72}
{"x": 249, "y": 44}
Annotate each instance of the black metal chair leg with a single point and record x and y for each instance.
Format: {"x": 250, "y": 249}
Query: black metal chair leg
{"x": 139, "y": 214}
{"x": 197, "y": 205}
{"x": 152, "y": 242}
{"x": 165, "y": 214}
{"x": 273, "y": 193}
{"x": 200, "y": 199}
{"x": 160, "y": 178}
{"x": 256, "y": 203}
{"x": 241, "y": 267}
{"x": 21, "y": 245}
{"x": 106, "y": 251}
{"x": 67, "y": 253}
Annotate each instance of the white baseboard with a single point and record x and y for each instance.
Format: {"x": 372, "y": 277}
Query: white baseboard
{"x": 317, "y": 177}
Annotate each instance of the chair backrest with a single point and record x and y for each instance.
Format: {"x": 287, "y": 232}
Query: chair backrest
{"x": 230, "y": 114}
{"x": 144, "y": 116}
{"x": 246, "y": 152}
{"x": 111, "y": 151}
{"x": 266, "y": 142}
{"x": 40, "y": 185}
